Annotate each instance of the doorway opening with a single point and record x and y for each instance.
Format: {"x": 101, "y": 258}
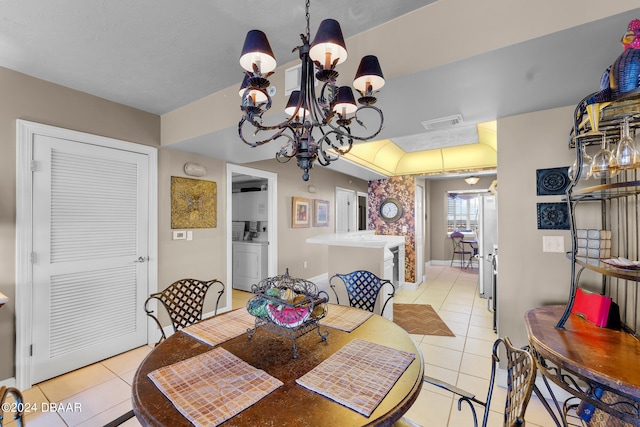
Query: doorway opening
{"x": 252, "y": 246}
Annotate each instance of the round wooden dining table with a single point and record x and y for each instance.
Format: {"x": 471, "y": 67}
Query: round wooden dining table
{"x": 290, "y": 404}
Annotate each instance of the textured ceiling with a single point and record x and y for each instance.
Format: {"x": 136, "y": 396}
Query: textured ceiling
{"x": 158, "y": 55}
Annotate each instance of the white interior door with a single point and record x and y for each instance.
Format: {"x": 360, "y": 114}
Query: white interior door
{"x": 345, "y": 210}
{"x": 90, "y": 253}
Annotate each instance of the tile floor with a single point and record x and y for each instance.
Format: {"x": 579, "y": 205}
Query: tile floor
{"x": 103, "y": 390}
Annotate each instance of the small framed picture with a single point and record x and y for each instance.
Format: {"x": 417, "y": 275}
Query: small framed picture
{"x": 301, "y": 213}
{"x": 320, "y": 213}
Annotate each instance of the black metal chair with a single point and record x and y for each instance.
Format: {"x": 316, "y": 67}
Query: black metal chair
{"x": 18, "y": 400}
{"x": 184, "y": 302}
{"x": 521, "y": 375}
{"x": 474, "y": 254}
{"x": 458, "y": 248}
{"x": 363, "y": 288}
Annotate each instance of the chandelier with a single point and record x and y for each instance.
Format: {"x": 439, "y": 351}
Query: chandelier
{"x": 319, "y": 123}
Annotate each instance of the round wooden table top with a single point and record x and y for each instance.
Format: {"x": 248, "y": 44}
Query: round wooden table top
{"x": 290, "y": 404}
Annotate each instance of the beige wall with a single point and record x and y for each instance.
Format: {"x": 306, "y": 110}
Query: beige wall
{"x": 528, "y": 277}
{"x": 440, "y": 243}
{"x": 35, "y": 100}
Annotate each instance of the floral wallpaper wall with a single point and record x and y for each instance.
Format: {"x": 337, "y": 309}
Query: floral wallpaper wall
{"x": 402, "y": 188}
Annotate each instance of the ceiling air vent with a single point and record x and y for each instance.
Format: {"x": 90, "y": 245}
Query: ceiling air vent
{"x": 442, "y": 122}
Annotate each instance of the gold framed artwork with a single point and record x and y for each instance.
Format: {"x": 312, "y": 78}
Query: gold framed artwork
{"x": 193, "y": 203}
{"x": 320, "y": 213}
{"x": 300, "y": 212}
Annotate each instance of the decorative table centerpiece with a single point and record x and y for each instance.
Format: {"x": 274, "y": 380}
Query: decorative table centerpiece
{"x": 288, "y": 307}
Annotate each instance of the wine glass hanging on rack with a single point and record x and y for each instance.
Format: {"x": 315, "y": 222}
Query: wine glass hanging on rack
{"x": 626, "y": 154}
{"x": 604, "y": 165}
{"x": 607, "y": 128}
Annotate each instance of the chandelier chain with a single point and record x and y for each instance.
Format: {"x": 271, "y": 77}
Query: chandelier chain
{"x": 308, "y": 17}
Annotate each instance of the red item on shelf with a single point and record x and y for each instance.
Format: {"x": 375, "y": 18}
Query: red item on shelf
{"x": 592, "y": 307}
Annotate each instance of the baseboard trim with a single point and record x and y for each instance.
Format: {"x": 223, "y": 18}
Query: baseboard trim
{"x": 410, "y": 286}
{"x": 9, "y": 382}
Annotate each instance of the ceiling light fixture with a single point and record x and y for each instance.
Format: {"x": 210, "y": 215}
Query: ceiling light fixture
{"x": 472, "y": 180}
{"x": 318, "y": 126}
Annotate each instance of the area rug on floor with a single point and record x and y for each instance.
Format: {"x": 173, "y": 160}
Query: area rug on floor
{"x": 420, "y": 319}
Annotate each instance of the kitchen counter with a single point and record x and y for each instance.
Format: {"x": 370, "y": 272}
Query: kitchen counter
{"x": 361, "y": 239}
{"x": 384, "y": 256}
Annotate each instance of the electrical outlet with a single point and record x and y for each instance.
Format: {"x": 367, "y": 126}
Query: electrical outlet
{"x": 552, "y": 243}
{"x": 304, "y": 264}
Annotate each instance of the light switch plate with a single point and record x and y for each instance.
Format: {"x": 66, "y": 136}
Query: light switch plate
{"x": 179, "y": 235}
{"x": 552, "y": 243}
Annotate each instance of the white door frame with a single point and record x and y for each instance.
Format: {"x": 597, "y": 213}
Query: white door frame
{"x": 272, "y": 217}
{"x": 419, "y": 229}
{"x": 25, "y": 132}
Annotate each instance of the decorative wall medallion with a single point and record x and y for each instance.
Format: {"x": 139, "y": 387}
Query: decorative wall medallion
{"x": 552, "y": 181}
{"x": 553, "y": 216}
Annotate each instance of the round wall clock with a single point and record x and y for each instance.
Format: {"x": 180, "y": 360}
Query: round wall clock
{"x": 390, "y": 210}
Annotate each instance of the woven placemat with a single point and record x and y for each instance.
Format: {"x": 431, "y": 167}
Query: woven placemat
{"x": 359, "y": 375}
{"x": 344, "y": 317}
{"x": 213, "y": 387}
{"x": 218, "y": 329}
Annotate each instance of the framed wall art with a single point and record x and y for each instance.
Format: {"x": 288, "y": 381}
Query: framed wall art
{"x": 320, "y": 213}
{"x": 301, "y": 212}
{"x": 193, "y": 203}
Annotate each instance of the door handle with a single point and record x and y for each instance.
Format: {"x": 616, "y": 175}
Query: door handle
{"x": 142, "y": 259}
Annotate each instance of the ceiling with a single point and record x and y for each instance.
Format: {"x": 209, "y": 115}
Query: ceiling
{"x": 159, "y": 55}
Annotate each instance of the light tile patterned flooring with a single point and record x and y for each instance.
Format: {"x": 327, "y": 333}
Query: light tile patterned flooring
{"x": 463, "y": 360}
{"x": 104, "y": 389}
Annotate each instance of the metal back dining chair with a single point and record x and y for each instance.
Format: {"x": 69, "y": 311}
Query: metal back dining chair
{"x": 458, "y": 248}
{"x": 521, "y": 374}
{"x": 184, "y": 302}
{"x": 363, "y": 288}
{"x": 18, "y": 400}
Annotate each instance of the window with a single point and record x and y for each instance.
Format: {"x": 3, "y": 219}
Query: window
{"x": 462, "y": 211}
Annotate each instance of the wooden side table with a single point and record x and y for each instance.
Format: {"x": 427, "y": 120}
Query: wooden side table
{"x": 599, "y": 358}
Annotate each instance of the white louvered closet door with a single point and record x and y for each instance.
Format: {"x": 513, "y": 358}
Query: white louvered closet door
{"x": 90, "y": 272}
